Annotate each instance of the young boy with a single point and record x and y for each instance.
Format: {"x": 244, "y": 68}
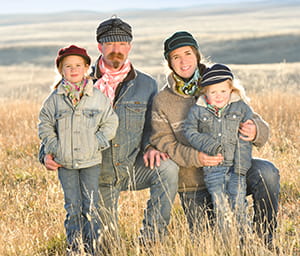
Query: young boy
{"x": 212, "y": 127}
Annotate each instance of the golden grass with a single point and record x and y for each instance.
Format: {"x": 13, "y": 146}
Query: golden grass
{"x": 31, "y": 204}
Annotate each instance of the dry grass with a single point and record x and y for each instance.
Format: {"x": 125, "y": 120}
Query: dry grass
{"x": 31, "y": 204}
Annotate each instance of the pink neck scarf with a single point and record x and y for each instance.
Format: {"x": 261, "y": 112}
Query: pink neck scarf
{"x": 109, "y": 81}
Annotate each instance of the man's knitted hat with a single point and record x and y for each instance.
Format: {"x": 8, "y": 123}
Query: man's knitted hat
{"x": 216, "y": 74}
{"x": 114, "y": 30}
{"x": 72, "y": 50}
{"x": 177, "y": 40}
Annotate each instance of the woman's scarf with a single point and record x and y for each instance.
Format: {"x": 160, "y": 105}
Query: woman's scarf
{"x": 109, "y": 81}
{"x": 188, "y": 88}
{"x": 74, "y": 90}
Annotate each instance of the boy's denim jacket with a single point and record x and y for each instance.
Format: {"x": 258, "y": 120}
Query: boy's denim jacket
{"x": 211, "y": 134}
{"x": 76, "y": 136}
{"x": 133, "y": 103}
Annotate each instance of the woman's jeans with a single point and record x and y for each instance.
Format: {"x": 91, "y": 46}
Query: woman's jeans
{"x": 80, "y": 188}
{"x": 262, "y": 183}
{"x": 228, "y": 194}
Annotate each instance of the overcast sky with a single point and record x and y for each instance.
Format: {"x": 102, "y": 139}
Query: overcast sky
{"x": 40, "y": 6}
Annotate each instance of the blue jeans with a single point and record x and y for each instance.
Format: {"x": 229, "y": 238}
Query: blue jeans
{"x": 263, "y": 184}
{"x": 163, "y": 184}
{"x": 80, "y": 188}
{"x": 228, "y": 194}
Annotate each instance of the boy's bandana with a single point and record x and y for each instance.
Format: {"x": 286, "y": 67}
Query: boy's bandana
{"x": 217, "y": 111}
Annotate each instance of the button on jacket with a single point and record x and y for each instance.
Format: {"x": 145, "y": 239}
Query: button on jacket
{"x": 211, "y": 134}
{"x": 132, "y": 104}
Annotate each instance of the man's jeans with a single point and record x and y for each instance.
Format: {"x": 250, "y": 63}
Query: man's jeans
{"x": 262, "y": 184}
{"x": 80, "y": 188}
{"x": 163, "y": 184}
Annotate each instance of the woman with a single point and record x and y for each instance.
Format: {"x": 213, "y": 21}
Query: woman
{"x": 170, "y": 109}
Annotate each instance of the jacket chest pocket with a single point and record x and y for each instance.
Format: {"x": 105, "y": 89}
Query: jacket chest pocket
{"x": 232, "y": 122}
{"x": 90, "y": 117}
{"x": 205, "y": 124}
{"x": 135, "y": 116}
{"x": 63, "y": 120}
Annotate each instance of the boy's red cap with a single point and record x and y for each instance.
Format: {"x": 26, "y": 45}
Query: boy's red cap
{"x": 72, "y": 50}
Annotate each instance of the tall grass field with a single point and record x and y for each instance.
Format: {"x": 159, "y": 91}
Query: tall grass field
{"x": 260, "y": 42}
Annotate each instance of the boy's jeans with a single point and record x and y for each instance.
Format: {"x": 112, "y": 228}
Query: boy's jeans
{"x": 263, "y": 184}
{"x": 228, "y": 192}
{"x": 80, "y": 188}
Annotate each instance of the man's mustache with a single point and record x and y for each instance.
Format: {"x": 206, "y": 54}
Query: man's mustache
{"x": 116, "y": 55}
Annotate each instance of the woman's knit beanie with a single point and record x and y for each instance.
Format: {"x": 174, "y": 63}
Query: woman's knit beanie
{"x": 177, "y": 40}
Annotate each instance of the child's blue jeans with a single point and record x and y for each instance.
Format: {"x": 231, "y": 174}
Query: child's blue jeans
{"x": 228, "y": 192}
{"x": 80, "y": 188}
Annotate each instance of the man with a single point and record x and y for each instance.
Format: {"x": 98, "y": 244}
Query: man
{"x": 129, "y": 162}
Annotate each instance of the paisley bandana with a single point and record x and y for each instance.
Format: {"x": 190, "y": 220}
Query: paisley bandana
{"x": 74, "y": 90}
{"x": 110, "y": 79}
{"x": 188, "y": 88}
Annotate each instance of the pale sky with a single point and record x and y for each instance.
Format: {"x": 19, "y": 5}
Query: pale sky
{"x": 40, "y": 6}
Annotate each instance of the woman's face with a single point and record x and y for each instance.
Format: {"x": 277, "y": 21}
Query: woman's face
{"x": 184, "y": 61}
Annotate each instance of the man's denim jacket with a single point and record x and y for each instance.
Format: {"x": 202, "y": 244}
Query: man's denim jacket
{"x": 132, "y": 104}
{"x": 211, "y": 134}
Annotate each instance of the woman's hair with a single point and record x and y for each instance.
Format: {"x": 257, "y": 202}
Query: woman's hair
{"x": 235, "y": 86}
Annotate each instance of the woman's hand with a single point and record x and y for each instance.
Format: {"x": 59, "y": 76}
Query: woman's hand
{"x": 247, "y": 130}
{"x": 207, "y": 160}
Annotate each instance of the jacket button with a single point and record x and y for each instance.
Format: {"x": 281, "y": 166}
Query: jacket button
{"x": 116, "y": 145}
{"x": 219, "y": 134}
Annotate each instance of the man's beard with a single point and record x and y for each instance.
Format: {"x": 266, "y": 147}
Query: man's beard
{"x": 116, "y": 59}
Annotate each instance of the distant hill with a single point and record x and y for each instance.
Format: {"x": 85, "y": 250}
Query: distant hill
{"x": 264, "y": 32}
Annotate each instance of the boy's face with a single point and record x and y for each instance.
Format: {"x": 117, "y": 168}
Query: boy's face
{"x": 74, "y": 68}
{"x": 219, "y": 94}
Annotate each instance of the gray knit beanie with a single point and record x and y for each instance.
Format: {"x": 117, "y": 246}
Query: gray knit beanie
{"x": 114, "y": 30}
{"x": 177, "y": 40}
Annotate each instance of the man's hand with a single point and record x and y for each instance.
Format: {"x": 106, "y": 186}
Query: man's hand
{"x": 248, "y": 130}
{"x": 152, "y": 157}
{"x": 50, "y": 164}
{"x": 207, "y": 160}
